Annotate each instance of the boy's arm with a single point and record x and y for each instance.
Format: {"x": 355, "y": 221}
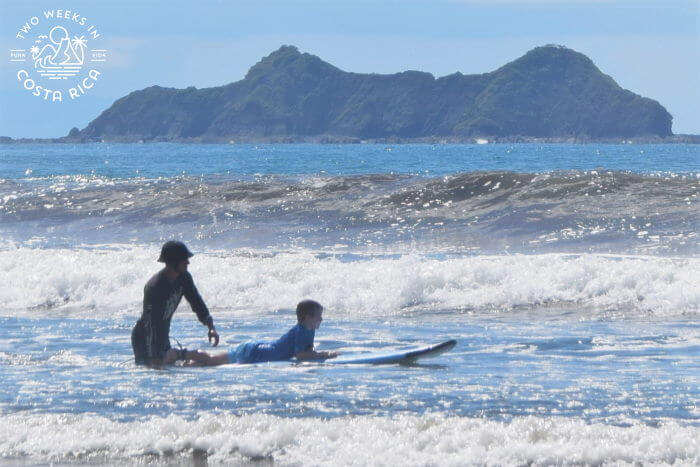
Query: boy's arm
{"x": 306, "y": 355}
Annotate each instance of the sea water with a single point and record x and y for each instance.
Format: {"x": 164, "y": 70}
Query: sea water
{"x": 568, "y": 274}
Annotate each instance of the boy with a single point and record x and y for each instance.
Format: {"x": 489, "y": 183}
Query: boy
{"x": 297, "y": 343}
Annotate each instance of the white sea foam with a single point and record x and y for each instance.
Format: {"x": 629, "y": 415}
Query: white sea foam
{"x": 111, "y": 280}
{"x": 362, "y": 440}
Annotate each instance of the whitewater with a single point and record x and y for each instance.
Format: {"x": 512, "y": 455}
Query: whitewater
{"x": 568, "y": 274}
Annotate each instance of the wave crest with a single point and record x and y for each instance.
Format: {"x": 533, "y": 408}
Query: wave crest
{"x": 491, "y": 211}
{"x": 109, "y": 280}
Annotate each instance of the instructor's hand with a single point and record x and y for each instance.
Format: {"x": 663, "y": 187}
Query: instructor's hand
{"x": 213, "y": 335}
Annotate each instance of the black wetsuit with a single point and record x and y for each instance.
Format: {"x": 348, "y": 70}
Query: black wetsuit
{"x": 150, "y": 338}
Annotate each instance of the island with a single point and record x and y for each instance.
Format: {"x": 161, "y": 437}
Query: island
{"x": 550, "y": 94}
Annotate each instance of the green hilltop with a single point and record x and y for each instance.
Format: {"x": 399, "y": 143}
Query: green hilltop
{"x": 550, "y": 92}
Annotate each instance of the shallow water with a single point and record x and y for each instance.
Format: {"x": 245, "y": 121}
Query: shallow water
{"x": 548, "y": 370}
{"x": 598, "y": 370}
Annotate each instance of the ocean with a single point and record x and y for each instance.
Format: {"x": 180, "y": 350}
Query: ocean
{"x": 568, "y": 274}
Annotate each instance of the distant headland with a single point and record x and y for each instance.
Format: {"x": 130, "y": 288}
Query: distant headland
{"x": 550, "y": 94}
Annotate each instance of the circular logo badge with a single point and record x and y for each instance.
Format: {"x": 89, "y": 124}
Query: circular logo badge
{"x": 58, "y": 55}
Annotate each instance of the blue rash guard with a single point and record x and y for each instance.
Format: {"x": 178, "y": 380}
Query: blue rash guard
{"x": 297, "y": 339}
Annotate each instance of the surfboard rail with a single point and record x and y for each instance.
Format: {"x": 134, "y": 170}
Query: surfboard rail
{"x": 401, "y": 356}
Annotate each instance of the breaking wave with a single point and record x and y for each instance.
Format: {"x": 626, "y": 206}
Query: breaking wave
{"x": 359, "y": 440}
{"x": 111, "y": 280}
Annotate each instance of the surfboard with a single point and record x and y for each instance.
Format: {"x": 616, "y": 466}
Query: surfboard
{"x": 403, "y": 356}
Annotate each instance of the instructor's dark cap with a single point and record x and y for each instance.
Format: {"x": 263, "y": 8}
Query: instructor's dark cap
{"x": 173, "y": 252}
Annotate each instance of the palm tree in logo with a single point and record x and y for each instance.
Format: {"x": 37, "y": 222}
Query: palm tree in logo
{"x": 35, "y": 51}
{"x": 79, "y": 46}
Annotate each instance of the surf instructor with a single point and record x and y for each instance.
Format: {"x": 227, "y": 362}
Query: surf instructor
{"x": 150, "y": 337}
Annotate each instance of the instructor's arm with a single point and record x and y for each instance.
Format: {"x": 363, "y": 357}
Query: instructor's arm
{"x": 200, "y": 308}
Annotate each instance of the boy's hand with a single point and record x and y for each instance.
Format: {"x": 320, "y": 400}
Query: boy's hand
{"x": 331, "y": 354}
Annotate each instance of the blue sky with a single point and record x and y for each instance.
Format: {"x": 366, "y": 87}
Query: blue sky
{"x": 649, "y": 47}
